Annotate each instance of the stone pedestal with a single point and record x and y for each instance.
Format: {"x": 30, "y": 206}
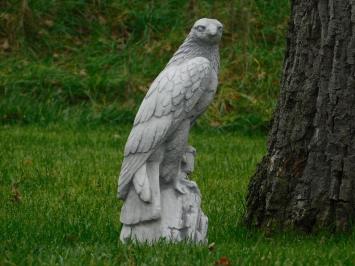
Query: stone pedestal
{"x": 181, "y": 219}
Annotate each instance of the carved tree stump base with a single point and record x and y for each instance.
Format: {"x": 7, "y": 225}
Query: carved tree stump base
{"x": 181, "y": 219}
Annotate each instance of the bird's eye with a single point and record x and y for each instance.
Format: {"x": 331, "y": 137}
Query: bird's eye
{"x": 200, "y": 28}
{"x": 220, "y": 28}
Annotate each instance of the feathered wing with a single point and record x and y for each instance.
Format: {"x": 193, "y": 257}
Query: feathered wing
{"x": 172, "y": 95}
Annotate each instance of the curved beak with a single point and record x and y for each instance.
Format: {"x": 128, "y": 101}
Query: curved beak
{"x": 212, "y": 32}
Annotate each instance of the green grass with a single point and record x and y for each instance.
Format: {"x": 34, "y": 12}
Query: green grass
{"x": 90, "y": 61}
{"x": 72, "y": 74}
{"x": 58, "y": 205}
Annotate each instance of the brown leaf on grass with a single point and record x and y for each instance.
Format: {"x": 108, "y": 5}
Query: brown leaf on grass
{"x": 71, "y": 238}
{"x": 78, "y": 42}
{"x": 276, "y": 82}
{"x": 42, "y": 32}
{"x": 15, "y": 194}
{"x": 261, "y": 75}
{"x": 142, "y": 88}
{"x": 82, "y": 72}
{"x": 49, "y": 23}
{"x": 27, "y": 162}
{"x": 223, "y": 261}
{"x": 5, "y": 45}
{"x": 102, "y": 20}
{"x": 215, "y": 123}
{"x": 55, "y": 82}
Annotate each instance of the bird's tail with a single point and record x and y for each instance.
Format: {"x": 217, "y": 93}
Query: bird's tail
{"x": 130, "y": 165}
{"x": 141, "y": 184}
{"x": 142, "y": 202}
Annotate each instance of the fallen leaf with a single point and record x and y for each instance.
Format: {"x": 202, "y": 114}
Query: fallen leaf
{"x": 211, "y": 247}
{"x": 78, "y": 42}
{"x": 261, "y": 75}
{"x": 49, "y": 23}
{"x": 142, "y": 88}
{"x": 43, "y": 32}
{"x": 71, "y": 238}
{"x": 82, "y": 72}
{"x": 116, "y": 136}
{"x": 215, "y": 123}
{"x": 6, "y": 45}
{"x": 102, "y": 20}
{"x": 223, "y": 261}
{"x": 27, "y": 162}
{"x": 15, "y": 194}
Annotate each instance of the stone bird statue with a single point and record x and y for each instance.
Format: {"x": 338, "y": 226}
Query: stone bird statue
{"x": 155, "y": 148}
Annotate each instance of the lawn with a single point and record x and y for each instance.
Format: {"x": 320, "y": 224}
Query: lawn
{"x": 58, "y": 203}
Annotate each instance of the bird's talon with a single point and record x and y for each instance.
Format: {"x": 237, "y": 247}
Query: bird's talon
{"x": 180, "y": 188}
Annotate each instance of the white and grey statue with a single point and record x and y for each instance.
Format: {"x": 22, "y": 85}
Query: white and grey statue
{"x": 159, "y": 199}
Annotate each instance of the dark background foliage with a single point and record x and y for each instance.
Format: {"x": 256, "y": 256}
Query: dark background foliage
{"x": 92, "y": 61}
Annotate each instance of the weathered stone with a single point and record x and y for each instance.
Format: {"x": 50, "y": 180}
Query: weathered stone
{"x": 181, "y": 219}
{"x": 160, "y": 202}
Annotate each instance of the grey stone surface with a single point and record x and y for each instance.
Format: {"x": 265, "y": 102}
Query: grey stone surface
{"x": 159, "y": 199}
{"x": 181, "y": 217}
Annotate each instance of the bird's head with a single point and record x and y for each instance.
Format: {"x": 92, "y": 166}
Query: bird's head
{"x": 207, "y": 30}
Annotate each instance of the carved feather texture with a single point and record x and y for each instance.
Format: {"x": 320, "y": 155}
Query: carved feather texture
{"x": 170, "y": 98}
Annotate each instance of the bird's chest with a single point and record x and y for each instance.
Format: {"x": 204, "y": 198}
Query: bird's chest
{"x": 208, "y": 94}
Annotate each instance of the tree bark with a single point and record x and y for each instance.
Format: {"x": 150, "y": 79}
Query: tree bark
{"x": 307, "y": 179}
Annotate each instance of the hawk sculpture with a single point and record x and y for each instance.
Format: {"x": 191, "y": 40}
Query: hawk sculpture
{"x": 157, "y": 146}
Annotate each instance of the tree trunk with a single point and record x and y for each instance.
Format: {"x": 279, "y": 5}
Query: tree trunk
{"x": 307, "y": 178}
